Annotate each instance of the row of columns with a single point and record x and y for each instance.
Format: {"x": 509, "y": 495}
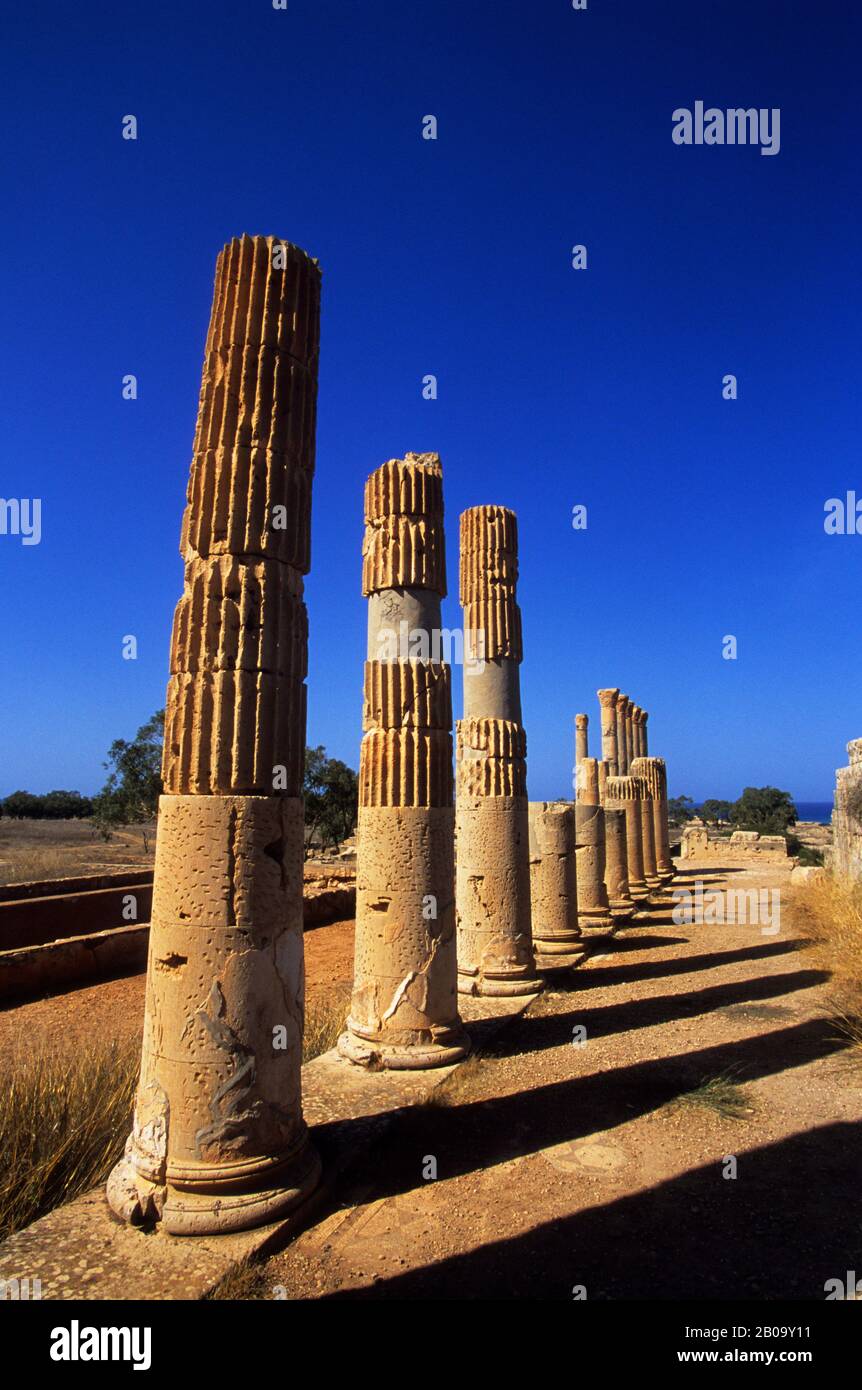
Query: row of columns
{"x": 622, "y": 811}
{"x": 464, "y": 887}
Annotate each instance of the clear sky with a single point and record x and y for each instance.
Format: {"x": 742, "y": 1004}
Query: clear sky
{"x": 557, "y": 386}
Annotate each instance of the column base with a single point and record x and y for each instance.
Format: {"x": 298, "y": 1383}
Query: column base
{"x": 596, "y": 923}
{"x": 499, "y": 986}
{"x": 367, "y": 1052}
{"x": 218, "y": 1211}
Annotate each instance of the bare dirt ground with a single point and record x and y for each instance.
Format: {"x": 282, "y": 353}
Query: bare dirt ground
{"x": 36, "y": 849}
{"x": 113, "y": 1010}
{"x": 563, "y": 1168}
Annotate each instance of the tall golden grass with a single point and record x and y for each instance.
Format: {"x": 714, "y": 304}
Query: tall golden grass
{"x": 64, "y": 1121}
{"x": 827, "y": 912}
{"x": 65, "y": 1116}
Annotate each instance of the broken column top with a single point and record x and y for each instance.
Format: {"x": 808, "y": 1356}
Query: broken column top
{"x": 489, "y": 580}
{"x": 404, "y": 546}
{"x": 854, "y": 751}
{"x": 249, "y": 491}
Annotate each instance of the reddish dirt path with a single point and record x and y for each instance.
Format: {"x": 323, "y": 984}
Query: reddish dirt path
{"x": 561, "y": 1167}
{"x": 114, "y": 1009}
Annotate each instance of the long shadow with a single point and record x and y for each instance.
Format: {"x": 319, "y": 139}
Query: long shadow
{"x": 555, "y": 1030}
{"x": 779, "y": 1230}
{"x": 481, "y": 1133}
{"x": 603, "y": 975}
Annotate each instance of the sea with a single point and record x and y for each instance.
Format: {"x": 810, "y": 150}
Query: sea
{"x": 819, "y": 811}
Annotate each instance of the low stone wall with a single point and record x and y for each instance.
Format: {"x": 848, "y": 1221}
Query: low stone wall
{"x": 742, "y": 844}
{"x": 847, "y": 816}
{"x": 78, "y": 960}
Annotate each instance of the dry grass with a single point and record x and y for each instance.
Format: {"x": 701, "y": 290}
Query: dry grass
{"x": 828, "y": 913}
{"x": 721, "y": 1094}
{"x": 325, "y": 1015}
{"x": 63, "y": 1124}
{"x": 34, "y": 849}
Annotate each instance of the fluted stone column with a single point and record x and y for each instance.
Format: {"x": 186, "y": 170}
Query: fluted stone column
{"x": 622, "y": 734}
{"x": 582, "y": 747}
{"x": 554, "y": 885}
{"x": 653, "y": 772}
{"x": 594, "y": 913}
{"x": 608, "y": 703}
{"x": 641, "y": 770}
{"x": 626, "y": 794}
{"x": 218, "y": 1142}
{"x": 404, "y": 1009}
{"x": 495, "y": 949}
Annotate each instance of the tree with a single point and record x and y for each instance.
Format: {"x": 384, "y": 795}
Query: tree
{"x": 680, "y": 809}
{"x": 24, "y": 804}
{"x": 765, "y": 809}
{"x": 131, "y": 794}
{"x": 66, "y": 806}
{"x": 331, "y": 793}
{"x": 714, "y": 811}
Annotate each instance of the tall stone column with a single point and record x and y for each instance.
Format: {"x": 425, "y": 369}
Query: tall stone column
{"x": 608, "y": 703}
{"x": 554, "y": 885}
{"x": 622, "y": 904}
{"x": 594, "y": 914}
{"x": 218, "y": 1142}
{"x": 626, "y": 794}
{"x": 582, "y": 747}
{"x": 630, "y": 740}
{"x": 622, "y": 734}
{"x": 492, "y": 892}
{"x": 404, "y": 1009}
{"x": 654, "y": 773}
{"x": 637, "y": 731}
{"x": 645, "y": 775}
{"x": 644, "y": 753}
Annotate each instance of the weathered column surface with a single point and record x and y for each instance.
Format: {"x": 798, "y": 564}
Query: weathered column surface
{"x": 554, "y": 885}
{"x": 404, "y": 1009}
{"x": 582, "y": 745}
{"x": 847, "y": 815}
{"x": 622, "y": 735}
{"x": 218, "y": 1141}
{"x": 495, "y": 950}
{"x": 643, "y": 773}
{"x": 644, "y": 753}
{"x": 608, "y": 704}
{"x": 594, "y": 914}
{"x": 637, "y": 731}
{"x": 625, "y": 794}
{"x": 654, "y": 773}
{"x": 622, "y": 904}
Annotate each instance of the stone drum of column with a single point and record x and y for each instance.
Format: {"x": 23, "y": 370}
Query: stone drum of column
{"x": 495, "y": 950}
{"x": 554, "y": 885}
{"x": 404, "y": 1009}
{"x": 218, "y": 1142}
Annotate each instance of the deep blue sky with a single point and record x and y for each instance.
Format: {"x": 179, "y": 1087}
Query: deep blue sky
{"x": 557, "y": 387}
